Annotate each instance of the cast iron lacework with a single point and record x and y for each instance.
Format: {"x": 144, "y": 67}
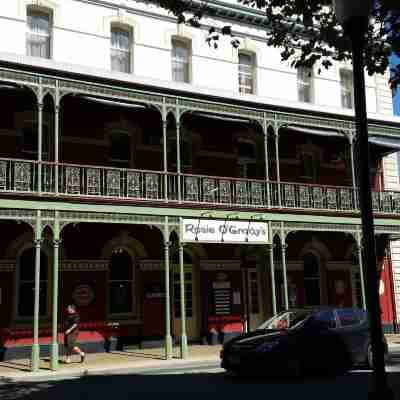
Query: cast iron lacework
{"x": 3, "y": 175}
{"x": 68, "y": 86}
{"x": 133, "y": 184}
{"x": 191, "y": 188}
{"x": 113, "y": 183}
{"x": 71, "y": 217}
{"x": 23, "y": 172}
{"x": 304, "y": 226}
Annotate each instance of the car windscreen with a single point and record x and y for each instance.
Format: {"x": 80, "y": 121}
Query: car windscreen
{"x": 286, "y": 320}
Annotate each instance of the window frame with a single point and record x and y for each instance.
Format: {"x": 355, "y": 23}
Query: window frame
{"x": 189, "y": 300}
{"x": 250, "y": 73}
{"x": 244, "y": 162}
{"x": 305, "y": 81}
{"x": 346, "y": 76}
{"x": 127, "y": 314}
{"x": 26, "y": 318}
{"x": 315, "y": 165}
{"x": 186, "y": 44}
{"x": 125, "y": 29}
{"x": 313, "y": 279}
{"x": 117, "y": 162}
{"x": 30, "y": 12}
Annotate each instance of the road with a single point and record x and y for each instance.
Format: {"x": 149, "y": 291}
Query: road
{"x": 204, "y": 380}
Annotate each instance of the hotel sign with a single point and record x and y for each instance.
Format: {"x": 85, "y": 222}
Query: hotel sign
{"x": 223, "y": 231}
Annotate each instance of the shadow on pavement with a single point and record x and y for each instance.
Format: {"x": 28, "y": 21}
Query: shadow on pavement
{"x": 352, "y": 386}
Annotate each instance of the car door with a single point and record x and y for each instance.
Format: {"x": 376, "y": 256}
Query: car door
{"x": 354, "y": 332}
{"x": 319, "y": 339}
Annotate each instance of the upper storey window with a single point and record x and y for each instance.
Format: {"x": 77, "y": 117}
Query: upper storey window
{"x": 38, "y": 38}
{"x": 346, "y": 87}
{"x": 181, "y": 54}
{"x": 121, "y": 43}
{"x": 305, "y": 84}
{"x": 246, "y": 73}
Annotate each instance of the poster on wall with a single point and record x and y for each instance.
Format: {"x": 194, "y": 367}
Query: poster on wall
{"x": 83, "y": 295}
{"x": 222, "y": 295}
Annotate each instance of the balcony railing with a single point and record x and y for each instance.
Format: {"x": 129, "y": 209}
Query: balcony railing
{"x": 21, "y": 176}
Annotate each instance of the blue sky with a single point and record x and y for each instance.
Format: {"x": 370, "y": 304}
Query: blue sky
{"x": 394, "y": 60}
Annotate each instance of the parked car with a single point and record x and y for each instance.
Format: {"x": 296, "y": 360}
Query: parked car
{"x": 298, "y": 341}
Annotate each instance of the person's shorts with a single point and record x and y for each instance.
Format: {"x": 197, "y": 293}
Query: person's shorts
{"x": 70, "y": 341}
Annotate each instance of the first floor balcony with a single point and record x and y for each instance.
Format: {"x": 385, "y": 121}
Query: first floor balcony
{"x": 122, "y": 185}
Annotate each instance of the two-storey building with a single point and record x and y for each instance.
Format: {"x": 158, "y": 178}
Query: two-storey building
{"x": 124, "y": 137}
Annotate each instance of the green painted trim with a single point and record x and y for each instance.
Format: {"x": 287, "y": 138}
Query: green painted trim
{"x": 185, "y": 212}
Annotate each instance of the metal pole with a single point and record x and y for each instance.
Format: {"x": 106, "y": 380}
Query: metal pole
{"x": 165, "y": 165}
{"x": 285, "y": 285}
{"x": 265, "y": 129}
{"x": 357, "y": 30}
{"x": 360, "y": 262}
{"x": 35, "y": 346}
{"x": 273, "y": 285}
{"x": 40, "y": 145}
{"x": 168, "y": 337}
{"x": 56, "y": 139}
{"x": 54, "y": 339}
{"x": 178, "y": 154}
{"x": 278, "y": 170}
{"x": 184, "y": 343}
{"x": 353, "y": 172}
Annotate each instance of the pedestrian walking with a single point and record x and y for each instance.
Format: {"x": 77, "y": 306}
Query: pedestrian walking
{"x": 71, "y": 332}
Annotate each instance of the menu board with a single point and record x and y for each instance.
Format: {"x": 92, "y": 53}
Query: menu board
{"x": 222, "y": 298}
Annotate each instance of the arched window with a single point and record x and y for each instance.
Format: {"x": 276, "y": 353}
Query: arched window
{"x": 312, "y": 280}
{"x": 120, "y": 283}
{"x": 26, "y": 283}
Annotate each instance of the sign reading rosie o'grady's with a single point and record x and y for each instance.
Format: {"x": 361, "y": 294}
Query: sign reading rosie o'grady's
{"x": 224, "y": 231}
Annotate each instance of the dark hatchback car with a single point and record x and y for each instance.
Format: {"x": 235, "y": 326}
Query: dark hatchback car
{"x": 299, "y": 341}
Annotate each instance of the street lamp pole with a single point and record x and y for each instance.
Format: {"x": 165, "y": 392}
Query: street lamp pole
{"x": 354, "y": 17}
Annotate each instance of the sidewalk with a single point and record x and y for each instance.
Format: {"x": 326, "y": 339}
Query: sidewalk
{"x": 135, "y": 359}
{"x": 102, "y": 362}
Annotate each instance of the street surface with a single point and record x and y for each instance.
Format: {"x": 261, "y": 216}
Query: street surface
{"x": 205, "y": 380}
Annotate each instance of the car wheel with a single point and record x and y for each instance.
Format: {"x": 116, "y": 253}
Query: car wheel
{"x": 370, "y": 362}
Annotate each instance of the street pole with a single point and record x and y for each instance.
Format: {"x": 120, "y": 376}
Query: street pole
{"x": 356, "y": 29}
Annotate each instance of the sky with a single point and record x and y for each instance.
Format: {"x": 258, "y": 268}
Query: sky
{"x": 394, "y": 60}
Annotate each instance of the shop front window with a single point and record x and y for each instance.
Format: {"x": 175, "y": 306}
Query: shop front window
{"x": 120, "y": 283}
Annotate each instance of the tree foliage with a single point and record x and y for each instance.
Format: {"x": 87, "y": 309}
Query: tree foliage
{"x": 306, "y": 31}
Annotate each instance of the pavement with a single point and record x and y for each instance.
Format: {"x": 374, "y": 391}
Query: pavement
{"x": 135, "y": 359}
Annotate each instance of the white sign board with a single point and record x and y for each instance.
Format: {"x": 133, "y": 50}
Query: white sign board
{"x": 223, "y": 231}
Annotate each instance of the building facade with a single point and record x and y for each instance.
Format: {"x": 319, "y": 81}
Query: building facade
{"x": 118, "y": 125}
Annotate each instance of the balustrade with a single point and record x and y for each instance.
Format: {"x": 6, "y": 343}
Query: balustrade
{"x": 77, "y": 180}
